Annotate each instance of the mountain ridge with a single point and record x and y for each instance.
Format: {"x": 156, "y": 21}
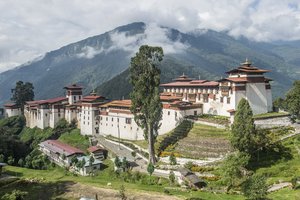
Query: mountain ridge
{"x": 98, "y": 59}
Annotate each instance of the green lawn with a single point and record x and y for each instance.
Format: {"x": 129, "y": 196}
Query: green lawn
{"x": 208, "y": 131}
{"x": 270, "y": 114}
{"x": 74, "y": 138}
{"x": 55, "y": 179}
{"x": 282, "y": 167}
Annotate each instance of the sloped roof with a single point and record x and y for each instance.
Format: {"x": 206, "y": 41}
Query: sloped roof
{"x": 57, "y": 146}
{"x": 94, "y": 148}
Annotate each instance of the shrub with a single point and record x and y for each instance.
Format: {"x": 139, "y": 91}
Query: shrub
{"x": 15, "y": 195}
{"x": 172, "y": 159}
{"x": 172, "y": 177}
{"x": 189, "y": 165}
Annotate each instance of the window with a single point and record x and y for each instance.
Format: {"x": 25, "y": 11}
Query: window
{"x": 205, "y": 98}
{"x": 221, "y": 99}
{"x": 88, "y": 123}
{"x": 128, "y": 120}
{"x": 106, "y": 118}
{"x": 228, "y": 100}
{"x": 112, "y": 119}
{"x": 195, "y": 112}
{"x": 46, "y": 115}
{"x": 100, "y": 118}
{"x": 168, "y": 112}
{"x": 74, "y": 98}
{"x": 83, "y": 122}
{"x": 79, "y": 97}
{"x": 58, "y": 114}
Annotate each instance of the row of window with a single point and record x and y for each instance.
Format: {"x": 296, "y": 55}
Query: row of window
{"x": 127, "y": 120}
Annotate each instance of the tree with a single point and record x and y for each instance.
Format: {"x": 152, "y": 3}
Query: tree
{"x": 234, "y": 169}
{"x": 172, "y": 177}
{"x": 21, "y": 93}
{"x": 146, "y": 105}
{"x": 150, "y": 168}
{"x": 124, "y": 164}
{"x": 21, "y": 162}
{"x": 292, "y": 100}
{"x": 10, "y": 160}
{"x": 255, "y": 187}
{"x": 243, "y": 128}
{"x": 1, "y": 158}
{"x": 279, "y": 103}
{"x": 74, "y": 161}
{"x": 172, "y": 159}
{"x": 117, "y": 162}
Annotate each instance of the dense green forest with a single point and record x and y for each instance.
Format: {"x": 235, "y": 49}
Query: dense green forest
{"x": 19, "y": 144}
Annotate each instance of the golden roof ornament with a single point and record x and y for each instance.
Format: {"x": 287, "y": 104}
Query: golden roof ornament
{"x": 247, "y": 62}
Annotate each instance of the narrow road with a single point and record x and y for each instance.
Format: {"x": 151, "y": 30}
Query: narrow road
{"x": 139, "y": 164}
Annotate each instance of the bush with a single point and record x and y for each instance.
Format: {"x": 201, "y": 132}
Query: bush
{"x": 15, "y": 195}
{"x": 189, "y": 165}
{"x": 172, "y": 159}
{"x": 255, "y": 187}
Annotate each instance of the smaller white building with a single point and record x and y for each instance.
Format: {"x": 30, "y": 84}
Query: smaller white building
{"x": 11, "y": 109}
{"x": 59, "y": 152}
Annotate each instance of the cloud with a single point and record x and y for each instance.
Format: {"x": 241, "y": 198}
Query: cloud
{"x": 89, "y": 52}
{"x": 30, "y": 28}
{"x": 154, "y": 35}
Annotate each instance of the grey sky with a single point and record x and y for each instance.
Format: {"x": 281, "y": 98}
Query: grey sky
{"x": 29, "y": 28}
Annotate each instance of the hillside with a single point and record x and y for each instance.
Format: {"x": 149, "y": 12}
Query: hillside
{"x": 98, "y": 59}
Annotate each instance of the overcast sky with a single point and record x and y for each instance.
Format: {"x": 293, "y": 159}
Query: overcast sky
{"x": 29, "y": 28}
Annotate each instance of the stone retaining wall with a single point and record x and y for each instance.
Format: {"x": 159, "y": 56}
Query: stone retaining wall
{"x": 273, "y": 122}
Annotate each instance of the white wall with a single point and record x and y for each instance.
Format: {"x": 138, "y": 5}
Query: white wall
{"x": 87, "y": 120}
{"x": 257, "y": 97}
{"x": 10, "y": 112}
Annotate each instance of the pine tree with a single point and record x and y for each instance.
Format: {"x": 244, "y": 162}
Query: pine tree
{"x": 21, "y": 93}
{"x": 243, "y": 129}
{"x": 146, "y": 104}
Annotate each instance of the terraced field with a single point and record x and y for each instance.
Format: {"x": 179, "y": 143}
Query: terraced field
{"x": 202, "y": 142}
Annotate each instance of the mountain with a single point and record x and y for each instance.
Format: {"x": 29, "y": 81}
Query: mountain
{"x": 102, "y": 60}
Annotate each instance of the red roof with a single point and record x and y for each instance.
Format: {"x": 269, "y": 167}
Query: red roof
{"x": 247, "y": 69}
{"x": 94, "y": 148}
{"x": 200, "y": 83}
{"x": 50, "y": 101}
{"x": 231, "y": 111}
{"x": 92, "y": 98}
{"x": 10, "y": 105}
{"x": 60, "y": 147}
{"x": 119, "y": 103}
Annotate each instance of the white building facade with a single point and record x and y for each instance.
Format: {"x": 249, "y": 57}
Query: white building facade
{"x": 95, "y": 115}
{"x": 222, "y": 97}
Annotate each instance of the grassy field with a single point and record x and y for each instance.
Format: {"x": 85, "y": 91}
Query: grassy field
{"x": 74, "y": 138}
{"x": 284, "y": 166}
{"x": 56, "y": 182}
{"x": 270, "y": 114}
{"x": 203, "y": 141}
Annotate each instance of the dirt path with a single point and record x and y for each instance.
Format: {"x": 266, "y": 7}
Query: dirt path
{"x": 76, "y": 191}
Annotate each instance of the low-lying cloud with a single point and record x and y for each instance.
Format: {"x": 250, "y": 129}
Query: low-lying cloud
{"x": 154, "y": 35}
{"x": 32, "y": 27}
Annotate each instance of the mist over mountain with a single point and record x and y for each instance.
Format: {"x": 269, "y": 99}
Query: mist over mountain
{"x": 101, "y": 61}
